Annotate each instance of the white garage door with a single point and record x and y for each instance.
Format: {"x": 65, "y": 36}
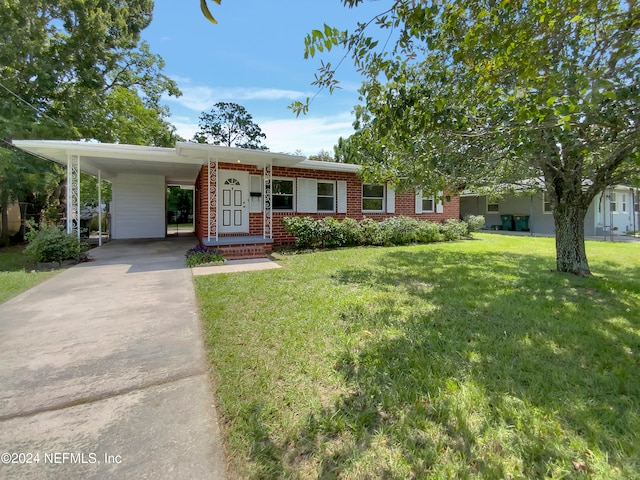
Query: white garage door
{"x": 138, "y": 206}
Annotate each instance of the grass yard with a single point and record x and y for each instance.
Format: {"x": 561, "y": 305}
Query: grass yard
{"x": 17, "y": 272}
{"x": 462, "y": 360}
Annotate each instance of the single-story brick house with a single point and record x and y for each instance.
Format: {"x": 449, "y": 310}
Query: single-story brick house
{"x": 241, "y": 196}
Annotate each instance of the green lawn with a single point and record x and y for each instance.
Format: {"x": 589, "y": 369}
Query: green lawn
{"x": 17, "y": 272}
{"x": 462, "y": 360}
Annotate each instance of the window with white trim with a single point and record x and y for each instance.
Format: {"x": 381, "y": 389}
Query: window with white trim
{"x": 282, "y": 193}
{"x": 546, "y": 203}
{"x": 493, "y": 207}
{"x": 428, "y": 204}
{"x": 372, "y": 197}
{"x": 613, "y": 204}
{"x": 326, "y": 196}
{"x": 624, "y": 202}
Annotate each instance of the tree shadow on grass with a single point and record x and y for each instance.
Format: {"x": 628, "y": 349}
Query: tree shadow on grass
{"x": 462, "y": 345}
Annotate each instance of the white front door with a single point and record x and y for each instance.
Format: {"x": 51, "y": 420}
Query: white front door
{"x": 233, "y": 201}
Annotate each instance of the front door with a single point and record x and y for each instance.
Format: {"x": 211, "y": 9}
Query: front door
{"x": 233, "y": 204}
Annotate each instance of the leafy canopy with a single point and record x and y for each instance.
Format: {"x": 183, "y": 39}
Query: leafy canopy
{"x": 230, "y": 125}
{"x": 470, "y": 94}
{"x": 72, "y": 70}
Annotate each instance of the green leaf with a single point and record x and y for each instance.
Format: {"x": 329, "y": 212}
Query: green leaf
{"x": 206, "y": 12}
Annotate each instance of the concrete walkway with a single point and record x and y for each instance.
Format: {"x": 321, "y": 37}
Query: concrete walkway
{"x": 103, "y": 372}
{"x": 235, "y": 266}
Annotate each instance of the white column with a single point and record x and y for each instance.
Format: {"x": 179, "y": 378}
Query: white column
{"x": 73, "y": 194}
{"x": 267, "y": 215}
{"x": 212, "y": 194}
{"x": 99, "y": 208}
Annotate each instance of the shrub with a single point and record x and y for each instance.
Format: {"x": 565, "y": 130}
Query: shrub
{"x": 454, "y": 230}
{"x": 331, "y": 234}
{"x": 52, "y": 244}
{"x": 474, "y": 222}
{"x": 400, "y": 230}
{"x": 428, "y": 232}
{"x": 305, "y": 230}
{"x": 201, "y": 255}
{"x": 351, "y": 232}
{"x": 372, "y": 233}
{"x": 94, "y": 224}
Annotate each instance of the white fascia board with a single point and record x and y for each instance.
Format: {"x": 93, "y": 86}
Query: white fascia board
{"x": 329, "y": 166}
{"x": 233, "y": 154}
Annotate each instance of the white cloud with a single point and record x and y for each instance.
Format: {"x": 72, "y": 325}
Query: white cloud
{"x": 310, "y": 135}
{"x": 202, "y": 97}
{"x": 307, "y": 134}
{"x": 185, "y": 127}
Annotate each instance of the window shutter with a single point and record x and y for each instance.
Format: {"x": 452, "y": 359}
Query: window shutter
{"x": 391, "y": 200}
{"x": 255, "y": 185}
{"x": 439, "y": 205}
{"x": 307, "y": 195}
{"x": 418, "y": 201}
{"x": 342, "y": 196}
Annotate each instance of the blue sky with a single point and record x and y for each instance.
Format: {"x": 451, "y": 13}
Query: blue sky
{"x": 254, "y": 57}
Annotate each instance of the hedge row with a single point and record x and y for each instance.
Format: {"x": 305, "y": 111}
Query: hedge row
{"x": 329, "y": 232}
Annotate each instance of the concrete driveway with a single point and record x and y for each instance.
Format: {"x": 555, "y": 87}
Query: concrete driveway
{"x": 103, "y": 372}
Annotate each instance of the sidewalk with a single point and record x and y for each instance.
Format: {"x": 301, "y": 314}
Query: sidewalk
{"x": 103, "y": 372}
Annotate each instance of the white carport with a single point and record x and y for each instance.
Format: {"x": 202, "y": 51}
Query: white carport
{"x": 138, "y": 174}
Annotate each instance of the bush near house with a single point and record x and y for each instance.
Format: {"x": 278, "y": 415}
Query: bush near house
{"x": 329, "y": 232}
{"x": 200, "y": 255}
{"x": 474, "y": 222}
{"x": 52, "y": 244}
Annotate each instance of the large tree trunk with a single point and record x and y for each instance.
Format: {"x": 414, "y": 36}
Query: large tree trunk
{"x": 570, "y": 252}
{"x": 4, "y": 213}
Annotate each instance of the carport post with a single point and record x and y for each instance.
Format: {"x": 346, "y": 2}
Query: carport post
{"x": 99, "y": 209}
{"x": 267, "y": 230}
{"x": 212, "y": 194}
{"x": 73, "y": 194}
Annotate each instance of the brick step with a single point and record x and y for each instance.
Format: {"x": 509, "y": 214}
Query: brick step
{"x": 243, "y": 251}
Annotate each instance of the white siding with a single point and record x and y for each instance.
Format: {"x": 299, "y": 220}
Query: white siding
{"x": 139, "y": 206}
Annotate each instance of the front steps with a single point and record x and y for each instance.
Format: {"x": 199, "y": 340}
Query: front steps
{"x": 240, "y": 247}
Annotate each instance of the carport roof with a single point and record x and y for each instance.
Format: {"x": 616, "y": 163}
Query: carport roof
{"x": 180, "y": 165}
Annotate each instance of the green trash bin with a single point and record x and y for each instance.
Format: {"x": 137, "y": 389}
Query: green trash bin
{"x": 521, "y": 223}
{"x": 507, "y": 222}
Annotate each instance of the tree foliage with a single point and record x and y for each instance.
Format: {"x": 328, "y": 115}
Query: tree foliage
{"x": 471, "y": 94}
{"x": 230, "y": 125}
{"x": 61, "y": 60}
{"x": 322, "y": 156}
{"x": 206, "y": 12}
{"x": 345, "y": 151}
{"x": 72, "y": 70}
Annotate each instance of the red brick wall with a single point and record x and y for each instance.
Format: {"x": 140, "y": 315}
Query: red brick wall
{"x": 405, "y": 202}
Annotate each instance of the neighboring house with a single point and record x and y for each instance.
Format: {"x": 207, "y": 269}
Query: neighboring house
{"x": 241, "y": 196}
{"x": 614, "y": 211}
